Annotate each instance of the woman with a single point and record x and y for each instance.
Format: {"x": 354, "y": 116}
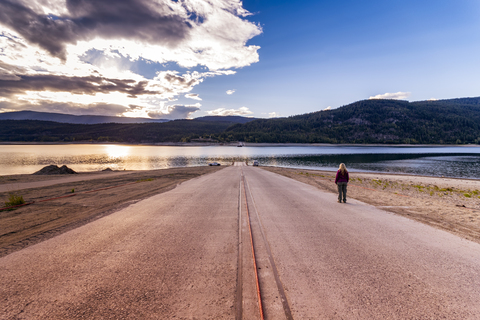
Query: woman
{"x": 341, "y": 180}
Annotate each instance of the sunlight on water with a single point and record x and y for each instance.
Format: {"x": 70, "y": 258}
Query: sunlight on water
{"x": 115, "y": 151}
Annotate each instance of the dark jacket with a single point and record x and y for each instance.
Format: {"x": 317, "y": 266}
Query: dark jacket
{"x": 340, "y": 177}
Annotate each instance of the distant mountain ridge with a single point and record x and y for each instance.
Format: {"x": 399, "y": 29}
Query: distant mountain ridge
{"x": 94, "y": 119}
{"x": 70, "y": 118}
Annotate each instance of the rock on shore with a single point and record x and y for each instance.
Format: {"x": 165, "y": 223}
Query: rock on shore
{"x": 54, "y": 169}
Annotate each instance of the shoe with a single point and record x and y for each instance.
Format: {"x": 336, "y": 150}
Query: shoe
{"x": 339, "y": 201}
{"x": 345, "y": 201}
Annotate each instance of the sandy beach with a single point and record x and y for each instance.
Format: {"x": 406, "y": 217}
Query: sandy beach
{"x": 448, "y": 204}
{"x": 77, "y": 200}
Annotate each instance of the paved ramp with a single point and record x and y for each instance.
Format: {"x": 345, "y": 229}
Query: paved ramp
{"x": 186, "y": 254}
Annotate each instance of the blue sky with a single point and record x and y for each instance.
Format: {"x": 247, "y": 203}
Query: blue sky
{"x": 277, "y": 58}
{"x": 330, "y": 53}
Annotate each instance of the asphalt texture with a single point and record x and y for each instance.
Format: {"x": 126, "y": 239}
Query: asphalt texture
{"x": 176, "y": 256}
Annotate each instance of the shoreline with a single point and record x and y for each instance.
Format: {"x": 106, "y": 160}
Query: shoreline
{"x": 353, "y": 171}
{"x": 235, "y": 144}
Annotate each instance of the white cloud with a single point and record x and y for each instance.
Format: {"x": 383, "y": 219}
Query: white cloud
{"x": 274, "y": 115}
{"x": 396, "y": 96}
{"x": 432, "y": 99}
{"x": 176, "y": 111}
{"x": 327, "y": 108}
{"x": 243, "y": 111}
{"x": 231, "y": 91}
{"x": 193, "y": 96}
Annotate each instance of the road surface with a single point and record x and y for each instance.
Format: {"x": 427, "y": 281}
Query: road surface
{"x": 186, "y": 254}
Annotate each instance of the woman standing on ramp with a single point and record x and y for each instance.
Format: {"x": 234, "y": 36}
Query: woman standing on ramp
{"x": 341, "y": 180}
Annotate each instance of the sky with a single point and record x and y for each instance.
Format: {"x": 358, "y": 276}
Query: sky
{"x": 176, "y": 59}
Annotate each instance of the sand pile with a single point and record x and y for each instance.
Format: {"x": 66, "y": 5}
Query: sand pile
{"x": 54, "y": 169}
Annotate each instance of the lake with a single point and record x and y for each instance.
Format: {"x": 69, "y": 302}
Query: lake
{"x": 451, "y": 161}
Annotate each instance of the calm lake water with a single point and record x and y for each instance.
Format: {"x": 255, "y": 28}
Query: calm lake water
{"x": 461, "y": 162}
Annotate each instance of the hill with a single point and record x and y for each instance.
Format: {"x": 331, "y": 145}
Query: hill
{"x": 48, "y": 131}
{"x": 371, "y": 121}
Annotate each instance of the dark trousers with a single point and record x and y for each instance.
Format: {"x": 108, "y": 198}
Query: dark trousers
{"x": 342, "y": 191}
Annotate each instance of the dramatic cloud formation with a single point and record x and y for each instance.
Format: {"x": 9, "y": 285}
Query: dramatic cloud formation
{"x": 85, "y": 52}
{"x": 146, "y": 21}
{"x": 76, "y": 85}
{"x": 231, "y": 91}
{"x": 395, "y": 96}
{"x": 67, "y": 107}
{"x": 243, "y": 111}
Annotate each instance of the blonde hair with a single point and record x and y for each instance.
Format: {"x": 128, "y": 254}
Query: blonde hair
{"x": 342, "y": 168}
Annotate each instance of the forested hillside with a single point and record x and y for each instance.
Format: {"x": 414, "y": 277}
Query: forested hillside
{"x": 47, "y": 131}
{"x": 371, "y": 121}
{"x": 455, "y": 121}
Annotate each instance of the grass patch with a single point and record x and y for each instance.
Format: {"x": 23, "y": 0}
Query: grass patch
{"x": 14, "y": 200}
{"x": 446, "y": 189}
{"x": 419, "y": 188}
{"x": 467, "y": 195}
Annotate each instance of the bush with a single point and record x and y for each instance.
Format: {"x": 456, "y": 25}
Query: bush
{"x": 14, "y": 200}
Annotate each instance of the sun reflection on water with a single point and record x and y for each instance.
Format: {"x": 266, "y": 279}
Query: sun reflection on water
{"x": 115, "y": 151}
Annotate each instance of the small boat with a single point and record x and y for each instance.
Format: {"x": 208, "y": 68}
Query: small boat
{"x": 240, "y": 144}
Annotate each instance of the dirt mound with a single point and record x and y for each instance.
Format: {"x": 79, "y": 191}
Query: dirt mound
{"x": 53, "y": 169}
{"x": 108, "y": 170}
